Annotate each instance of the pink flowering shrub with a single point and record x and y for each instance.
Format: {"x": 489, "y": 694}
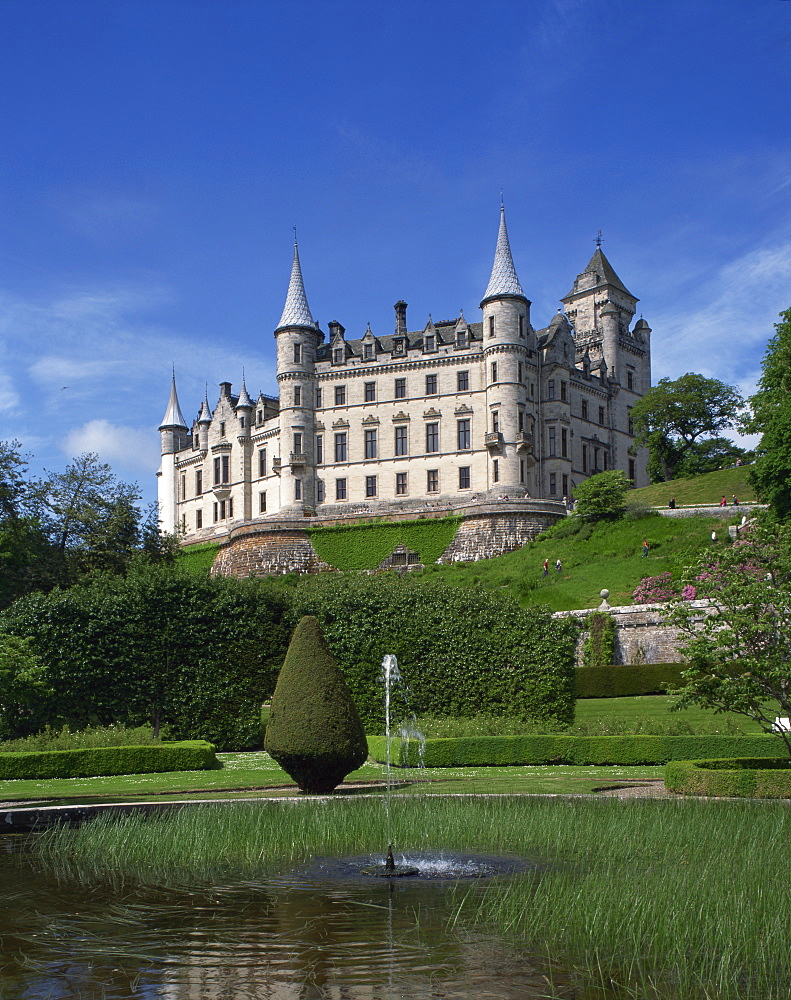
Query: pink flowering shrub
{"x": 655, "y": 589}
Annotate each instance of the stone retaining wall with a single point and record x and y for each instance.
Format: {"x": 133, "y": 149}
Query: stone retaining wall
{"x": 641, "y": 634}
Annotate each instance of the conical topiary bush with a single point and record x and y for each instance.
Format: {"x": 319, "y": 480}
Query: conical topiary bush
{"x": 314, "y": 731}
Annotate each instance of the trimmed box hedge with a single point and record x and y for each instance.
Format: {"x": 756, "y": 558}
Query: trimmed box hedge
{"x": 93, "y": 762}
{"x": 504, "y": 751}
{"x": 742, "y": 777}
{"x": 628, "y": 681}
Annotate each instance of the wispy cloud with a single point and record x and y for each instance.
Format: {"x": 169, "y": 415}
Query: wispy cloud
{"x": 131, "y": 449}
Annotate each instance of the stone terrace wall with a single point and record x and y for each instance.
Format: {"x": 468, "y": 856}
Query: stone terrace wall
{"x": 488, "y": 528}
{"x": 641, "y": 635}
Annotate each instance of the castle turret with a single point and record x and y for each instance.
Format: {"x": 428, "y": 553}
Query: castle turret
{"x": 506, "y": 333}
{"x": 298, "y": 338}
{"x": 173, "y": 438}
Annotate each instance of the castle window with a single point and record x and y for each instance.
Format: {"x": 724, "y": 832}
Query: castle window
{"x": 461, "y": 339}
{"x": 584, "y": 458}
{"x": 432, "y": 438}
{"x": 601, "y": 415}
{"x": 401, "y": 441}
{"x": 297, "y": 353}
{"x": 494, "y": 371}
{"x": 496, "y": 470}
{"x": 370, "y": 392}
{"x": 222, "y": 428}
{"x": 262, "y": 503}
{"x": 629, "y": 379}
{"x": 214, "y": 512}
{"x": 496, "y": 421}
{"x": 319, "y": 491}
{"x": 521, "y": 329}
{"x": 400, "y": 484}
{"x": 596, "y": 460}
{"x": 198, "y": 520}
{"x": 241, "y": 422}
{"x": 337, "y": 356}
{"x": 261, "y": 462}
{"x": 585, "y": 409}
{"x": 230, "y": 507}
{"x": 398, "y": 345}
{"x": 221, "y": 469}
{"x": 318, "y": 399}
{"x": 532, "y": 390}
{"x": 551, "y": 389}
{"x": 521, "y": 470}
{"x": 368, "y": 351}
{"x": 462, "y": 381}
{"x": 196, "y": 441}
{"x": 630, "y": 422}
{"x": 340, "y": 447}
{"x": 400, "y": 388}
{"x": 429, "y": 344}
{"x": 431, "y": 385}
{"x": 297, "y": 489}
{"x": 491, "y": 326}
{"x": 319, "y": 449}
{"x": 631, "y": 469}
{"x": 551, "y": 442}
{"x": 432, "y": 481}
{"x": 464, "y": 434}
{"x": 340, "y": 395}
{"x": 563, "y": 391}
{"x": 605, "y": 456}
{"x": 298, "y": 443}
{"x": 564, "y": 442}
{"x": 565, "y": 486}
{"x": 340, "y": 489}
{"x": 198, "y": 482}
{"x": 260, "y": 417}
{"x": 519, "y": 377}
{"x": 464, "y": 477}
{"x": 183, "y": 487}
{"x": 553, "y": 488}
{"x": 370, "y": 444}
{"x": 297, "y": 396}
{"x": 222, "y": 510}
{"x": 370, "y": 486}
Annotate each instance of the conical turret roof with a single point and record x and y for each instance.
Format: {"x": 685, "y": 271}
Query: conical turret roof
{"x": 503, "y": 280}
{"x": 173, "y": 415}
{"x": 296, "y": 311}
{"x": 204, "y": 417}
{"x": 244, "y": 399}
{"x": 603, "y": 269}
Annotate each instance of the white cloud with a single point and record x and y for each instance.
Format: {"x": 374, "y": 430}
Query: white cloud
{"x": 130, "y": 449}
{"x": 9, "y": 397}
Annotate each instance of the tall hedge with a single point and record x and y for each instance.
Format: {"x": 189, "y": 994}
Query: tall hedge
{"x": 197, "y": 653}
{"x": 462, "y": 652}
{"x": 314, "y": 731}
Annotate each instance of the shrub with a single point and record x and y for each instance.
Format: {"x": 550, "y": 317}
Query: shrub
{"x": 190, "y": 755}
{"x": 655, "y": 589}
{"x": 505, "y": 751}
{"x": 314, "y": 731}
{"x": 745, "y": 777}
{"x": 93, "y": 736}
{"x": 628, "y": 681}
{"x": 599, "y": 645}
{"x": 463, "y": 652}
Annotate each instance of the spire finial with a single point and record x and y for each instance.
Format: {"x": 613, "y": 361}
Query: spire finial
{"x": 599, "y": 239}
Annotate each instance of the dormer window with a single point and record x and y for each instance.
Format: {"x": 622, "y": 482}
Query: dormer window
{"x": 337, "y": 356}
{"x": 368, "y": 351}
{"x": 429, "y": 346}
{"x": 461, "y": 339}
{"x": 398, "y": 345}
{"x": 260, "y": 417}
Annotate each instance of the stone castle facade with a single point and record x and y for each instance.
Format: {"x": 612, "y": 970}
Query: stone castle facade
{"x": 456, "y": 413}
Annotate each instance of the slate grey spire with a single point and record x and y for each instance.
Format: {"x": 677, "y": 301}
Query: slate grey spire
{"x": 173, "y": 415}
{"x": 244, "y": 399}
{"x": 503, "y": 280}
{"x": 296, "y": 311}
{"x": 205, "y": 415}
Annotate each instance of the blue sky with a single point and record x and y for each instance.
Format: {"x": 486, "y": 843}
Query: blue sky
{"x": 155, "y": 155}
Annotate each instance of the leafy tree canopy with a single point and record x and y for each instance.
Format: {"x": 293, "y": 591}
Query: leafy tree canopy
{"x": 674, "y": 416}
{"x": 603, "y": 496}
{"x": 771, "y": 406}
{"x": 740, "y": 653}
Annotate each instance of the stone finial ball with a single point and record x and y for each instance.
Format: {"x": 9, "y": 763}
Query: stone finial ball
{"x": 604, "y": 594}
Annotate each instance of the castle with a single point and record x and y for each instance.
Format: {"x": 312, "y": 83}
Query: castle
{"x": 453, "y": 414}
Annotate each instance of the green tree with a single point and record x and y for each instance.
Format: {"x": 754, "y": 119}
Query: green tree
{"x": 771, "y": 406}
{"x": 314, "y": 731}
{"x": 739, "y": 646}
{"x": 674, "y": 415}
{"x": 22, "y": 684}
{"x": 603, "y": 496}
{"x": 711, "y": 455}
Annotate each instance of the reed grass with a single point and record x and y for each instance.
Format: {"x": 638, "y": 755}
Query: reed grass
{"x": 669, "y": 899}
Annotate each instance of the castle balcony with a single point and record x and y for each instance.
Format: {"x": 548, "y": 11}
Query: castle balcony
{"x": 222, "y": 491}
{"x": 524, "y": 442}
{"x": 297, "y": 459}
{"x": 276, "y": 463}
{"x": 493, "y": 440}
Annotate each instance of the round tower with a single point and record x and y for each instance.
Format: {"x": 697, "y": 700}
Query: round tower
{"x": 506, "y": 336}
{"x": 298, "y": 338}
{"x": 173, "y": 438}
{"x": 610, "y": 320}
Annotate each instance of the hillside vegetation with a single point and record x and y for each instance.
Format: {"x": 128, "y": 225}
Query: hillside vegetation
{"x": 705, "y": 489}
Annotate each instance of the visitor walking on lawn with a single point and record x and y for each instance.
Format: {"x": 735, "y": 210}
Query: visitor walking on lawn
{"x": 546, "y": 567}
{"x": 645, "y": 547}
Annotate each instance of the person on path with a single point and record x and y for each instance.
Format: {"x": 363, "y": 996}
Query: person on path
{"x": 645, "y": 547}
{"x": 546, "y": 567}
{"x": 723, "y": 502}
{"x": 558, "y": 565}
{"x": 735, "y": 501}
{"x": 672, "y": 504}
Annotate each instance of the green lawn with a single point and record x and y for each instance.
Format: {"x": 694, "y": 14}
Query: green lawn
{"x": 704, "y": 489}
{"x": 654, "y": 706}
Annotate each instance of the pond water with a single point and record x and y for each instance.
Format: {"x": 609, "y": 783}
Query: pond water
{"x": 309, "y": 934}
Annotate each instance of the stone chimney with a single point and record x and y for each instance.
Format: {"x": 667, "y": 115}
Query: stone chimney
{"x": 400, "y": 325}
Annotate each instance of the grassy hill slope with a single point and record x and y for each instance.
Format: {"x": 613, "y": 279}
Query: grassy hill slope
{"x": 706, "y": 489}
